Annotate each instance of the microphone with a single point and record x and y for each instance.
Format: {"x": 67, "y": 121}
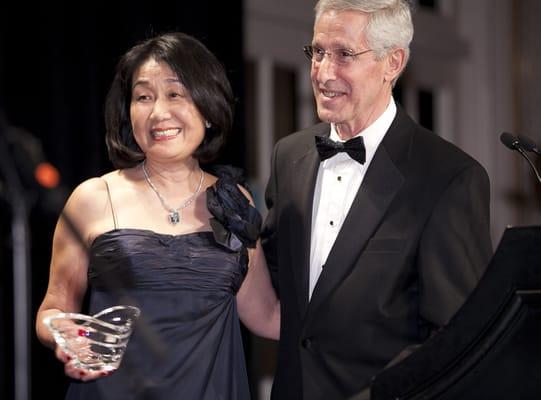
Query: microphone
{"x": 513, "y": 143}
{"x": 510, "y": 141}
{"x": 528, "y": 145}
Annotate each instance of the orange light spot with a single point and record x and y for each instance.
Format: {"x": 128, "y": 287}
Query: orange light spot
{"x": 47, "y": 175}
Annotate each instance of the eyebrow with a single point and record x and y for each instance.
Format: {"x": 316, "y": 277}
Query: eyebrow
{"x": 336, "y": 46}
{"x": 144, "y": 82}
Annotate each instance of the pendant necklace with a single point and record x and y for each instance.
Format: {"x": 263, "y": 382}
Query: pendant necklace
{"x": 174, "y": 213}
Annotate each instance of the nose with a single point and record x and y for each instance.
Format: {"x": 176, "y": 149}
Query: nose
{"x": 325, "y": 70}
{"x": 160, "y": 110}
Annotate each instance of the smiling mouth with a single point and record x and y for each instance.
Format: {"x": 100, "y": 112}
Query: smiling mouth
{"x": 329, "y": 94}
{"x": 165, "y": 134}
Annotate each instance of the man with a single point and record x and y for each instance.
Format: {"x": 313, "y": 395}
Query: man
{"x": 374, "y": 248}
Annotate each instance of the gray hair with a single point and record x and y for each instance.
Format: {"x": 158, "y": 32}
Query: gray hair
{"x": 389, "y": 22}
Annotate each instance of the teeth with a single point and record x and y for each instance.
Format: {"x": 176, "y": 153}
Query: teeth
{"x": 168, "y": 132}
{"x": 330, "y": 94}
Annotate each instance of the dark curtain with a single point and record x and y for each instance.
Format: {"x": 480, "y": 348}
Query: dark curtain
{"x": 56, "y": 64}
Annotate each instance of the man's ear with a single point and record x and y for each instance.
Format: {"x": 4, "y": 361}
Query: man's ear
{"x": 396, "y": 60}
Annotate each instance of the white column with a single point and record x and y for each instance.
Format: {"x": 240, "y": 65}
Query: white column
{"x": 484, "y": 103}
{"x": 445, "y": 113}
{"x": 264, "y": 122}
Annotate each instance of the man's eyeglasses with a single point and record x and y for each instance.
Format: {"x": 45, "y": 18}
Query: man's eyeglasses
{"x": 339, "y": 56}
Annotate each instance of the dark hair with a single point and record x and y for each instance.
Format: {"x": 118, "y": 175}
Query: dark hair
{"x": 197, "y": 69}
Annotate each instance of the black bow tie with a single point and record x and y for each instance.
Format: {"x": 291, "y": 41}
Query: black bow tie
{"x": 353, "y": 147}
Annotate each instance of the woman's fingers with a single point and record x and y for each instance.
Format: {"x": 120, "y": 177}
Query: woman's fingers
{"x": 71, "y": 370}
{"x": 74, "y": 371}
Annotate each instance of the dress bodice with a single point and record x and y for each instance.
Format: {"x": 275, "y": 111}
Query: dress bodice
{"x": 126, "y": 259}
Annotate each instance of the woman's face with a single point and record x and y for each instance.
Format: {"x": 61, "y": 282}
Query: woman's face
{"x": 165, "y": 121}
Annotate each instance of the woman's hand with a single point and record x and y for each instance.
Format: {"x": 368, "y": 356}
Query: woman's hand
{"x": 74, "y": 371}
{"x": 80, "y": 345}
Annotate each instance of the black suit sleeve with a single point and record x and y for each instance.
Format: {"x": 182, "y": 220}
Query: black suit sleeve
{"x": 269, "y": 239}
{"x": 455, "y": 246}
{"x": 454, "y": 250}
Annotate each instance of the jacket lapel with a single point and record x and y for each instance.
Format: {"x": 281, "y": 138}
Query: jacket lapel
{"x": 380, "y": 185}
{"x": 303, "y": 179}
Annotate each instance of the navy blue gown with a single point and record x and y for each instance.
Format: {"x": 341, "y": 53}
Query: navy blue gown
{"x": 187, "y": 342}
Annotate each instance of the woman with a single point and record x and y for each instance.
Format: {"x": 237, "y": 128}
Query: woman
{"x": 162, "y": 234}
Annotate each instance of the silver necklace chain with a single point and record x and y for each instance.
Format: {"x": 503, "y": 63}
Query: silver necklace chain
{"x": 174, "y": 213}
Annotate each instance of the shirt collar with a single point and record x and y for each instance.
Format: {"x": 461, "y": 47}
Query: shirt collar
{"x": 374, "y": 133}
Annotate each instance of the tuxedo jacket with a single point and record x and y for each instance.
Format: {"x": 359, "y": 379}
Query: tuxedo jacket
{"x": 412, "y": 247}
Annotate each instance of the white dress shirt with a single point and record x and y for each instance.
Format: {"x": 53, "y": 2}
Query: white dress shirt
{"x": 338, "y": 180}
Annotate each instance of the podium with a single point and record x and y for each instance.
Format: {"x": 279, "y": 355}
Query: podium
{"x": 491, "y": 349}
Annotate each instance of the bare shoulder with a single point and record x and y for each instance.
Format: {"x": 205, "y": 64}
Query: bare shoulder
{"x": 210, "y": 179}
{"x": 86, "y": 200}
{"x": 93, "y": 193}
{"x": 88, "y": 205}
{"x": 88, "y": 194}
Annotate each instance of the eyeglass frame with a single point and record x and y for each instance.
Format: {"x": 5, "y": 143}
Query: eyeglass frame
{"x": 308, "y": 51}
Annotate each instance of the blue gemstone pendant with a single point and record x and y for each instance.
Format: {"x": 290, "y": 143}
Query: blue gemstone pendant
{"x": 174, "y": 217}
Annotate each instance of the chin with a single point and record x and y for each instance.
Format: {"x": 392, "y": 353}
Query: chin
{"x": 327, "y": 116}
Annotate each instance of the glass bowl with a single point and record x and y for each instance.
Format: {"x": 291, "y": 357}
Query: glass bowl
{"x": 97, "y": 342}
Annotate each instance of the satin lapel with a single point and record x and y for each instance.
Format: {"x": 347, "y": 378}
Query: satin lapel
{"x": 380, "y": 185}
{"x": 303, "y": 182}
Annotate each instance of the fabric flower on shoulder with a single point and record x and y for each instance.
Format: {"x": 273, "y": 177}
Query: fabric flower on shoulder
{"x": 236, "y": 222}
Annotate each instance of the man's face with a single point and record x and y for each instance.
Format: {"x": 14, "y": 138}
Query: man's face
{"x": 351, "y": 95}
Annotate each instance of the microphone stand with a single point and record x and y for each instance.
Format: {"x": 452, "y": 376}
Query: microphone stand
{"x": 21, "y": 271}
{"x": 529, "y": 145}
{"x": 523, "y": 154}
{"x": 520, "y": 144}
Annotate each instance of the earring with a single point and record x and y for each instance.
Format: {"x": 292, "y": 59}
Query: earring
{"x": 207, "y": 124}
